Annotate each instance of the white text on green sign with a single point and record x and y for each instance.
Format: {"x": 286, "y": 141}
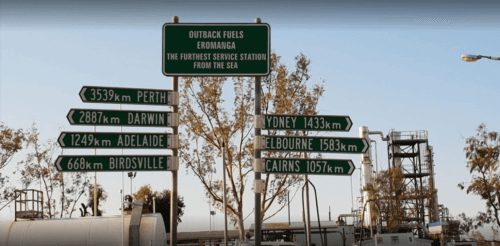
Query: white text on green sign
{"x": 99, "y": 94}
{"x": 307, "y": 166}
{"x": 122, "y": 118}
{"x": 118, "y": 140}
{"x": 303, "y": 122}
{"x": 312, "y": 144}
{"x": 102, "y": 163}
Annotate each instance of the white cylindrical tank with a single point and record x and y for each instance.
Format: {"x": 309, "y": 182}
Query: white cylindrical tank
{"x": 366, "y": 175}
{"x": 101, "y": 230}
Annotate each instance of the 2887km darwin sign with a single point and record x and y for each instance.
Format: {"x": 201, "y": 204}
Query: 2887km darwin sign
{"x": 216, "y": 49}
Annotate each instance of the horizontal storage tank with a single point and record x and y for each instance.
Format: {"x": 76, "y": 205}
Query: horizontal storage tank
{"x": 101, "y": 230}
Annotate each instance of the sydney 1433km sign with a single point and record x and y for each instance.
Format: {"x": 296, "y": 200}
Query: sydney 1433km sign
{"x": 216, "y": 49}
{"x": 303, "y": 122}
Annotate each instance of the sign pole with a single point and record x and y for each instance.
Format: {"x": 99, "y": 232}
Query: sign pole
{"x": 95, "y": 185}
{"x": 173, "y": 193}
{"x": 258, "y": 216}
{"x": 225, "y": 195}
{"x": 308, "y": 212}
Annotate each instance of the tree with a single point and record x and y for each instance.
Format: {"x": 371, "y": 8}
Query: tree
{"x": 389, "y": 191}
{"x": 162, "y": 203}
{"x": 477, "y": 236}
{"x": 102, "y": 196}
{"x": 208, "y": 124}
{"x": 11, "y": 142}
{"x": 39, "y": 167}
{"x": 482, "y": 152}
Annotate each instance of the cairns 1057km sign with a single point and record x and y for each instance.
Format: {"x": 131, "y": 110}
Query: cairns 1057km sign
{"x": 216, "y": 49}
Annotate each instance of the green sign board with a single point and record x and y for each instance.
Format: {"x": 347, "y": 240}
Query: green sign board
{"x": 98, "y": 94}
{"x": 308, "y": 166}
{"x": 304, "y": 122}
{"x": 117, "y": 140}
{"x": 117, "y": 163}
{"x": 102, "y": 117}
{"x": 312, "y": 144}
{"x": 216, "y": 49}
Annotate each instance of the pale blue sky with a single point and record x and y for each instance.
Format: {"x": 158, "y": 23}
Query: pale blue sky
{"x": 385, "y": 65}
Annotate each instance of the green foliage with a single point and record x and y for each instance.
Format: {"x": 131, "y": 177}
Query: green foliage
{"x": 162, "y": 203}
{"x": 482, "y": 152}
{"x": 102, "y": 196}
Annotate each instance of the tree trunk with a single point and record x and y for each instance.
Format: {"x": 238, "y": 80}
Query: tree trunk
{"x": 241, "y": 227}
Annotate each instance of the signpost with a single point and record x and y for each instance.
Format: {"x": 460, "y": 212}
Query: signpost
{"x": 307, "y": 166}
{"x": 312, "y": 144}
{"x": 99, "y": 94}
{"x": 201, "y": 49}
{"x": 303, "y": 122}
{"x": 118, "y": 140}
{"x": 119, "y": 163}
{"x": 103, "y": 117}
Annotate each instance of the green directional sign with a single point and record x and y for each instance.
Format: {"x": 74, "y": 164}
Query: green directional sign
{"x": 308, "y": 166}
{"x": 116, "y": 140}
{"x": 303, "y": 122}
{"x": 104, "y": 117}
{"x": 201, "y": 49}
{"x": 98, "y": 94}
{"x": 117, "y": 163}
{"x": 312, "y": 144}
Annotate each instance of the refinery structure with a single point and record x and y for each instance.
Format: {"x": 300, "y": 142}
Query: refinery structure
{"x": 416, "y": 207}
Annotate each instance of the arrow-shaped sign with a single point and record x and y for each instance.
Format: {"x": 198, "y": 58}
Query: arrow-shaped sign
{"x": 99, "y": 94}
{"x": 122, "y": 118}
{"x": 312, "y": 144}
{"x": 118, "y": 163}
{"x": 118, "y": 140}
{"x": 340, "y": 167}
{"x": 303, "y": 122}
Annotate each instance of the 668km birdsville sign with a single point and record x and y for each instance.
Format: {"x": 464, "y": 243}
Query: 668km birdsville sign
{"x": 216, "y": 49}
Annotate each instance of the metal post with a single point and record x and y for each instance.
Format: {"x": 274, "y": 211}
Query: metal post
{"x": 225, "y": 198}
{"x": 173, "y": 193}
{"x": 122, "y": 191}
{"x": 288, "y": 197}
{"x": 308, "y": 214}
{"x": 154, "y": 205}
{"x": 258, "y": 219}
{"x": 123, "y": 212}
{"x": 95, "y": 185}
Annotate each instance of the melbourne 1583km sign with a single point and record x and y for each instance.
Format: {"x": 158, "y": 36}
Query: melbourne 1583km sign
{"x": 307, "y": 166}
{"x": 98, "y": 94}
{"x": 105, "y": 117}
{"x": 74, "y": 163}
{"x": 303, "y": 122}
{"x": 312, "y": 144}
{"x": 216, "y": 49}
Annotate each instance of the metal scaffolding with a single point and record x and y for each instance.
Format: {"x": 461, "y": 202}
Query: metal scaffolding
{"x": 409, "y": 151}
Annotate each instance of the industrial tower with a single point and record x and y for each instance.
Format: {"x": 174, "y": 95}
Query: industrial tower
{"x": 409, "y": 151}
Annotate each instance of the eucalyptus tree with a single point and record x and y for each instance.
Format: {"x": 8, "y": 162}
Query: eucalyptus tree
{"x": 208, "y": 122}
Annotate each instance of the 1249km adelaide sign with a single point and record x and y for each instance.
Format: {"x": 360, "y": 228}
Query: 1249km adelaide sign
{"x": 216, "y": 49}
